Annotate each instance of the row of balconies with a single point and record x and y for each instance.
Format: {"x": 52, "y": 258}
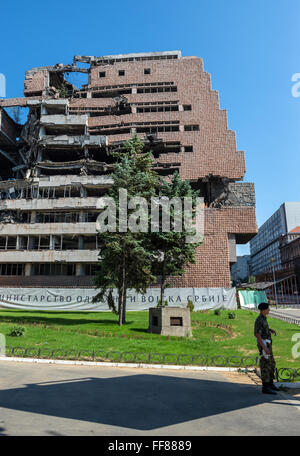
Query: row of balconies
{"x": 47, "y": 229}
{"x": 51, "y": 204}
{"x": 49, "y": 256}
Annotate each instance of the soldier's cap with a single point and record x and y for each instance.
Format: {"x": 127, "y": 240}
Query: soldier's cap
{"x": 263, "y": 306}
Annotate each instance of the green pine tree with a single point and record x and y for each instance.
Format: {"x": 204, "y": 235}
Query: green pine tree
{"x": 172, "y": 252}
{"x": 124, "y": 260}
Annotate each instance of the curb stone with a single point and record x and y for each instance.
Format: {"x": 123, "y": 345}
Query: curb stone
{"x": 289, "y": 385}
{"x": 144, "y": 366}
{"x": 136, "y": 365}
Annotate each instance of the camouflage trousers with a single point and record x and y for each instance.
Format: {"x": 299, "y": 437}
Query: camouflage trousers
{"x": 267, "y": 366}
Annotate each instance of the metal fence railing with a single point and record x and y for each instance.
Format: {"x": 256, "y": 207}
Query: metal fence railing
{"x": 130, "y": 357}
{"x": 282, "y": 375}
{"x": 287, "y": 374}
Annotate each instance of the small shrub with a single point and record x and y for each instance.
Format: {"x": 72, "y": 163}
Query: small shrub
{"x": 17, "y": 331}
{"x": 190, "y": 305}
{"x": 159, "y": 304}
{"x": 231, "y": 315}
{"x": 217, "y": 311}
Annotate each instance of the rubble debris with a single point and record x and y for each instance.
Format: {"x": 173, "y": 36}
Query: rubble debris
{"x": 58, "y": 165}
{"x": 11, "y": 217}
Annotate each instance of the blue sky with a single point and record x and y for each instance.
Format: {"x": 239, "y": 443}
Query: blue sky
{"x": 250, "y": 47}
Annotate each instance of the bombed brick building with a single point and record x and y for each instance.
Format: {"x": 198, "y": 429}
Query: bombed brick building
{"x": 56, "y": 165}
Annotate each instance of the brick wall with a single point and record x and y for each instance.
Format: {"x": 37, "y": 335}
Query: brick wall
{"x": 35, "y": 81}
{"x": 8, "y": 126}
{"x": 212, "y": 268}
{"x": 214, "y": 146}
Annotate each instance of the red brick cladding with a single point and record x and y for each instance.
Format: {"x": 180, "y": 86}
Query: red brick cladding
{"x": 16, "y": 101}
{"x": 35, "y": 81}
{"x": 212, "y": 268}
{"x": 8, "y": 126}
{"x": 214, "y": 145}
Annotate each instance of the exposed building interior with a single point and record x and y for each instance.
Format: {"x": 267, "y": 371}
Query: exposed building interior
{"x": 55, "y": 166}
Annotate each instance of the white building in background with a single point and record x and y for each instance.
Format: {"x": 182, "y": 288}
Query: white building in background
{"x": 264, "y": 247}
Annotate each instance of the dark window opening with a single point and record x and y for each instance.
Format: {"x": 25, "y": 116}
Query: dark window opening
{"x": 187, "y": 107}
{"x": 44, "y": 243}
{"x": 154, "y": 321}
{"x": 91, "y": 217}
{"x": 57, "y": 217}
{"x": 191, "y": 128}
{"x": 119, "y": 131}
{"x": 12, "y": 269}
{"x": 157, "y": 89}
{"x": 89, "y": 242}
{"x": 121, "y": 72}
{"x": 69, "y": 242}
{"x": 80, "y": 95}
{"x": 51, "y": 130}
{"x": 90, "y": 269}
{"x": 95, "y": 191}
{"x": 155, "y": 129}
{"x": 23, "y": 242}
{"x": 54, "y": 269}
{"x": 188, "y": 148}
{"x": 111, "y": 94}
{"x": 102, "y": 74}
{"x": 157, "y": 109}
{"x": 11, "y": 243}
{"x": 176, "y": 321}
{"x": 147, "y": 71}
{"x": 57, "y": 242}
{"x": 33, "y": 243}
{"x": 36, "y": 94}
{"x": 172, "y": 147}
{"x": 111, "y": 110}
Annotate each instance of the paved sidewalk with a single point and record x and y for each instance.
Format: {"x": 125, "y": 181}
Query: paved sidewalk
{"x": 281, "y": 313}
{"x": 49, "y": 399}
{"x": 289, "y": 312}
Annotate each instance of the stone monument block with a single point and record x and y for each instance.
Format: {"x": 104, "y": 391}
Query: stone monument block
{"x": 170, "y": 321}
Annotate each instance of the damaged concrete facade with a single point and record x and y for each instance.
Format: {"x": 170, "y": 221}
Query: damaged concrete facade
{"x": 56, "y": 167}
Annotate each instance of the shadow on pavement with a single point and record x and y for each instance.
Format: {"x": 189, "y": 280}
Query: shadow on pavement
{"x": 141, "y": 402}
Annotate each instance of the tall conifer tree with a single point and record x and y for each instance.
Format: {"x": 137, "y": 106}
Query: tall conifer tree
{"x": 125, "y": 262}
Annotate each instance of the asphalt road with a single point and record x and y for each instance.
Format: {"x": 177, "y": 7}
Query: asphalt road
{"x": 48, "y": 399}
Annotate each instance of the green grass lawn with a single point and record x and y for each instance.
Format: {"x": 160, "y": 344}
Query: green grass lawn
{"x": 96, "y": 331}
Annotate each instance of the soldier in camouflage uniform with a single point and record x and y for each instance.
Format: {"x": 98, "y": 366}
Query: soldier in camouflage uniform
{"x": 262, "y": 333}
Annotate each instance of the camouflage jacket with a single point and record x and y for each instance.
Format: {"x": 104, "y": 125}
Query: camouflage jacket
{"x": 261, "y": 327}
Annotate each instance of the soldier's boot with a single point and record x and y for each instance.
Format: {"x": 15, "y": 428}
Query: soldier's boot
{"x": 273, "y": 387}
{"x": 266, "y": 388}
